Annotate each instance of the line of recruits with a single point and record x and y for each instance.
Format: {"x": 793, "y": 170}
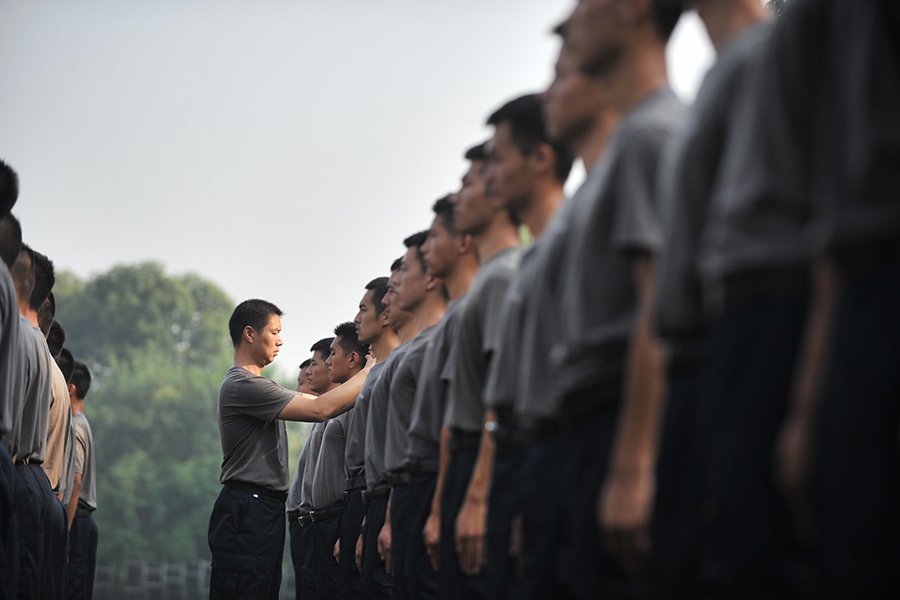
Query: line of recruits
{"x": 48, "y": 493}
{"x": 686, "y": 387}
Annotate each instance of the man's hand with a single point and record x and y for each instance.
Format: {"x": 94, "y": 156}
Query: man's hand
{"x": 337, "y": 551}
{"x": 359, "y": 546}
{"x": 516, "y": 535}
{"x": 432, "y": 535}
{"x": 470, "y": 532}
{"x": 624, "y": 508}
{"x": 384, "y": 546}
{"x": 792, "y": 459}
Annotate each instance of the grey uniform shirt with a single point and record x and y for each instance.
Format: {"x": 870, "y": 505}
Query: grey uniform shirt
{"x": 309, "y": 469}
{"x": 355, "y": 452}
{"x": 690, "y": 168}
{"x": 293, "y": 500}
{"x": 477, "y": 339}
{"x": 598, "y": 300}
{"x": 12, "y": 365}
{"x": 84, "y": 463}
{"x": 430, "y": 402}
{"x": 328, "y": 480}
{"x": 402, "y": 395}
{"x": 254, "y": 439}
{"x": 376, "y": 420}
{"x": 36, "y": 409}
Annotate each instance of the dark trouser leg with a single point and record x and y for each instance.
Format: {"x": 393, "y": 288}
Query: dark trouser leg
{"x": 326, "y": 534}
{"x": 49, "y": 576}
{"x": 308, "y": 581}
{"x": 351, "y": 525}
{"x": 9, "y": 529}
{"x": 858, "y": 475}
{"x": 376, "y": 583}
{"x": 400, "y": 532}
{"x": 28, "y": 508}
{"x": 454, "y": 583}
{"x": 246, "y": 537}
{"x": 679, "y": 488}
{"x": 748, "y": 548}
{"x": 296, "y": 532}
{"x": 82, "y": 556}
{"x": 423, "y": 579}
{"x": 502, "y": 577}
{"x": 60, "y": 549}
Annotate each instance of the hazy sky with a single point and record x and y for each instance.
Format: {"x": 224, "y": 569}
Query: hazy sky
{"x": 282, "y": 150}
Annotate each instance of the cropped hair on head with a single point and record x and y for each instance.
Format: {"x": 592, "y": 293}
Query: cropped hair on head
{"x": 10, "y": 239}
{"x": 666, "y": 14}
{"x": 9, "y": 188}
{"x": 378, "y": 287}
{"x": 348, "y": 340}
{"x": 395, "y": 266}
{"x": 46, "y": 313}
{"x": 254, "y": 313}
{"x": 478, "y": 152}
{"x": 323, "y": 346}
{"x": 443, "y": 208}
{"x": 44, "y": 279}
{"x": 22, "y": 272}
{"x": 81, "y": 379}
{"x": 66, "y": 363}
{"x": 415, "y": 241}
{"x": 525, "y": 117}
{"x": 56, "y": 338}
{"x": 305, "y": 363}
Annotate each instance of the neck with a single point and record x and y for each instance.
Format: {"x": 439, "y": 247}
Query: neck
{"x": 385, "y": 344}
{"x": 640, "y": 72}
{"x": 498, "y": 236}
{"x": 548, "y": 197}
{"x": 77, "y": 406}
{"x": 724, "y": 19}
{"x": 408, "y": 330}
{"x": 243, "y": 360}
{"x": 460, "y": 279}
{"x": 430, "y": 311}
{"x": 330, "y": 387}
{"x": 26, "y": 312}
{"x": 591, "y": 145}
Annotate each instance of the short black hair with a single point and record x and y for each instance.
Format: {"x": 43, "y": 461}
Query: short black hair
{"x": 22, "y": 272}
{"x": 349, "y": 340}
{"x": 305, "y": 363}
{"x": 255, "y": 313}
{"x": 378, "y": 287}
{"x": 66, "y": 363}
{"x": 666, "y": 14}
{"x": 415, "y": 241}
{"x": 10, "y": 239}
{"x": 443, "y": 208}
{"x": 478, "y": 152}
{"x": 395, "y": 266}
{"x": 9, "y": 188}
{"x": 81, "y": 379}
{"x": 323, "y": 346}
{"x": 525, "y": 117}
{"x": 562, "y": 30}
{"x": 46, "y": 313}
{"x": 44, "y": 279}
{"x": 56, "y": 338}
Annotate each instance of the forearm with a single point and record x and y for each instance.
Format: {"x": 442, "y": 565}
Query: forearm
{"x": 442, "y": 472}
{"x": 73, "y": 501}
{"x": 480, "y": 484}
{"x": 304, "y": 407}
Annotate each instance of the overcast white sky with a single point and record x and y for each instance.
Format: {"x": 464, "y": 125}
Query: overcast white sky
{"x": 282, "y": 150}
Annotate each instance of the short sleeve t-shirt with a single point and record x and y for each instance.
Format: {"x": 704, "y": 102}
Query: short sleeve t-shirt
{"x": 477, "y": 339}
{"x": 32, "y": 443}
{"x": 402, "y": 395}
{"x": 376, "y": 420}
{"x": 293, "y": 501}
{"x": 430, "y": 402}
{"x": 85, "y": 463}
{"x": 328, "y": 478}
{"x": 57, "y": 429}
{"x": 355, "y": 452}
{"x": 254, "y": 440}
{"x": 12, "y": 368}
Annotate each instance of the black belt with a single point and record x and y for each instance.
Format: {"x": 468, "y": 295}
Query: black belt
{"x": 422, "y": 466}
{"x": 304, "y": 518}
{"x": 352, "y": 483}
{"x": 463, "y": 440}
{"x": 83, "y": 512}
{"x": 756, "y": 284}
{"x": 509, "y": 434}
{"x": 378, "y": 492}
{"x": 574, "y": 408}
{"x": 324, "y": 514}
{"x": 397, "y": 478}
{"x": 249, "y": 488}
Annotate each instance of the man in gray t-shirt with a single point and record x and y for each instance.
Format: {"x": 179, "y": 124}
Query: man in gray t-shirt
{"x": 82, "y": 530}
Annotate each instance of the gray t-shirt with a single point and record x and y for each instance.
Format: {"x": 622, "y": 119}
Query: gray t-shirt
{"x": 690, "y": 168}
{"x": 376, "y": 420}
{"x": 477, "y": 339}
{"x": 430, "y": 402}
{"x": 254, "y": 440}
{"x": 85, "y": 462}
{"x": 36, "y": 410}
{"x": 355, "y": 452}
{"x": 402, "y": 394}
{"x": 12, "y": 367}
{"x": 328, "y": 479}
{"x": 293, "y": 500}
{"x": 309, "y": 469}
{"x": 598, "y": 300}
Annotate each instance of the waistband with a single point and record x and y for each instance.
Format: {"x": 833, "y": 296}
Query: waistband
{"x": 756, "y": 284}
{"x": 508, "y": 433}
{"x": 81, "y": 513}
{"x": 574, "y": 408}
{"x": 422, "y": 466}
{"x": 378, "y": 492}
{"x": 323, "y": 514}
{"x": 398, "y": 478}
{"x": 352, "y": 483}
{"x": 303, "y": 517}
{"x": 463, "y": 440}
{"x": 249, "y": 488}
